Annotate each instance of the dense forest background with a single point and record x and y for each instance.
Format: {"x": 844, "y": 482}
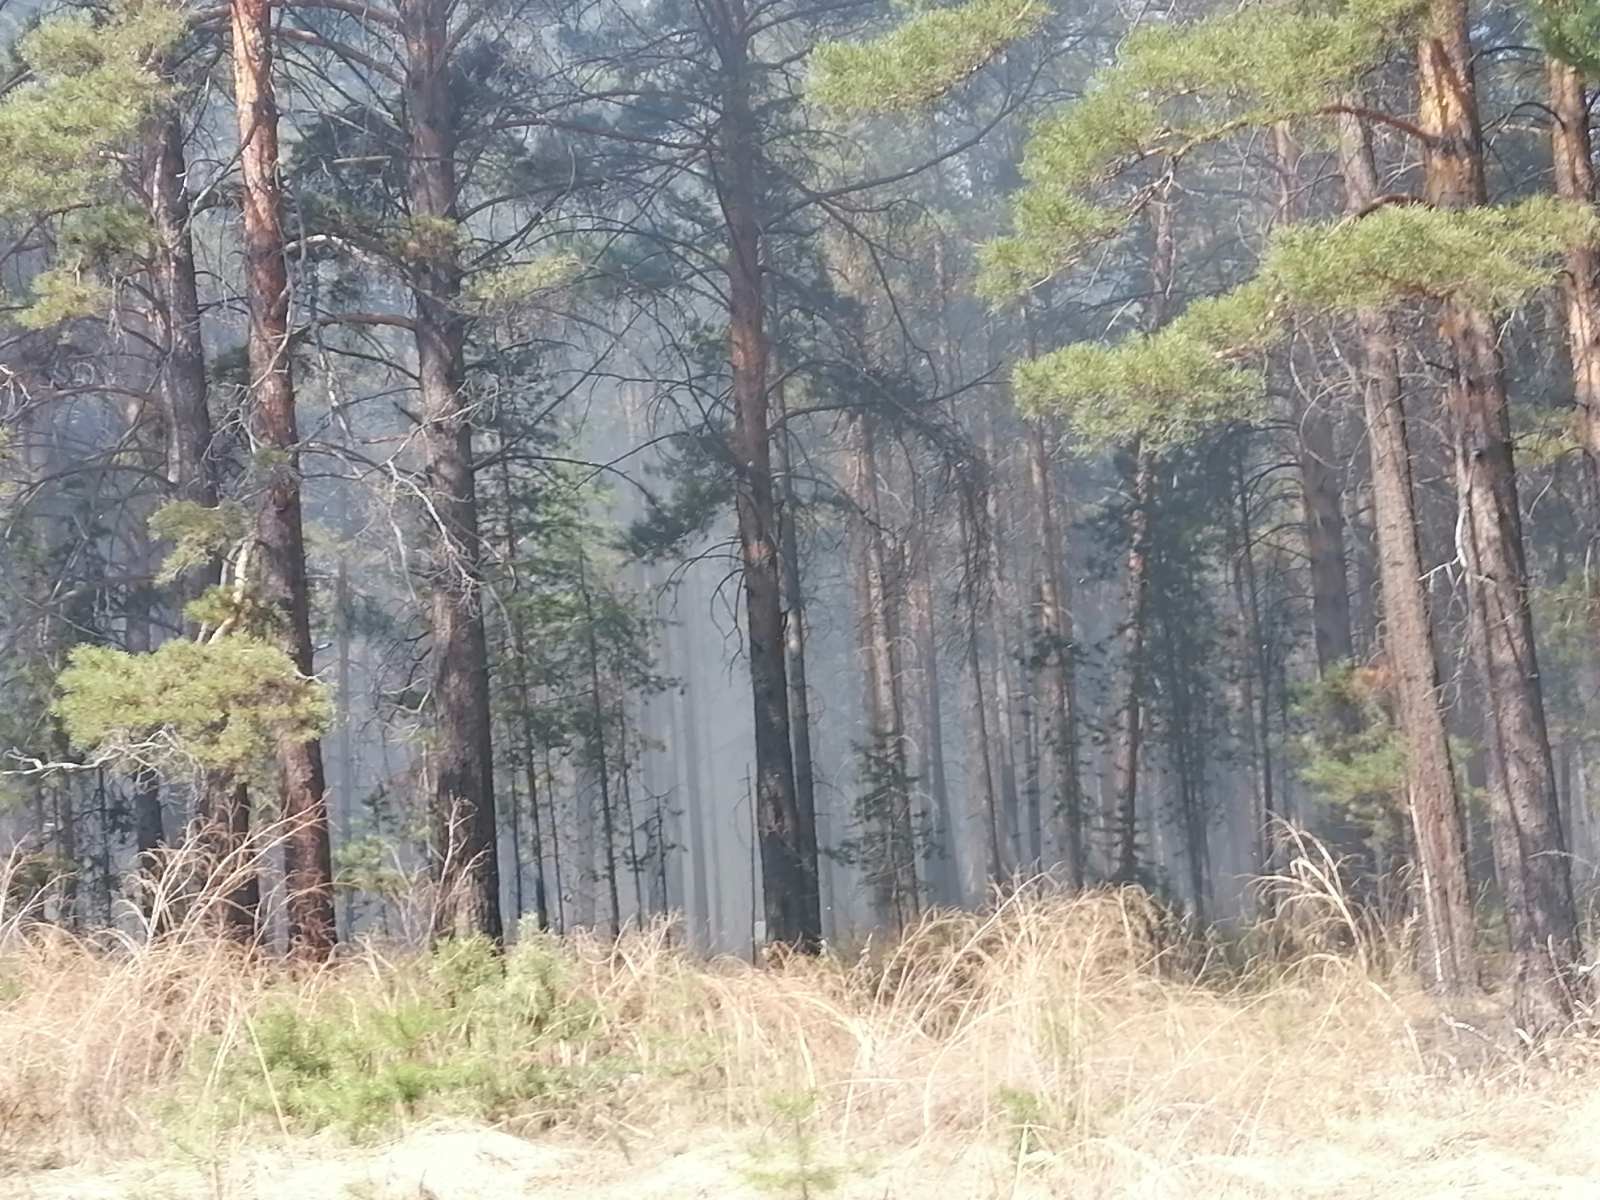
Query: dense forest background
{"x": 795, "y": 463}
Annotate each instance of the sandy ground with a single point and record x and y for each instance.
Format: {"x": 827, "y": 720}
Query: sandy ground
{"x": 1554, "y": 1159}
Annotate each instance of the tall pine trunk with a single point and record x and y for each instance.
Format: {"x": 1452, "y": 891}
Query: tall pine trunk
{"x": 460, "y": 750}
{"x": 308, "y": 865}
{"x": 1530, "y": 855}
{"x": 1437, "y": 820}
{"x": 789, "y": 890}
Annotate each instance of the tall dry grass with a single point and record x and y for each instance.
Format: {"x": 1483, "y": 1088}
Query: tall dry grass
{"x": 1077, "y": 1037}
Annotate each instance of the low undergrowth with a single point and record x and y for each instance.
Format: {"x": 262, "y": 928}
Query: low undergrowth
{"x": 1062, "y": 1032}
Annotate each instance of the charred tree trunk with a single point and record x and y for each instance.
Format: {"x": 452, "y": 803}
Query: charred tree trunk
{"x": 191, "y": 470}
{"x": 1320, "y": 484}
{"x": 599, "y": 749}
{"x": 308, "y": 864}
{"x": 1257, "y": 685}
{"x": 230, "y": 829}
{"x": 939, "y": 855}
{"x": 805, "y": 788}
{"x": 788, "y": 877}
{"x": 885, "y": 805}
{"x": 1002, "y": 629}
{"x": 1530, "y": 854}
{"x": 989, "y": 816}
{"x": 1435, "y": 806}
{"x": 1055, "y": 635}
{"x": 1324, "y": 524}
{"x": 1130, "y": 708}
{"x": 185, "y": 414}
{"x": 461, "y": 799}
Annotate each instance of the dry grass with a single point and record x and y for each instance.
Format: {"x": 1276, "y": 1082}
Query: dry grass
{"x": 1055, "y": 1046}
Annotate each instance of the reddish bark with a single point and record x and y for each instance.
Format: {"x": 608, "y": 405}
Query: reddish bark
{"x": 308, "y": 866}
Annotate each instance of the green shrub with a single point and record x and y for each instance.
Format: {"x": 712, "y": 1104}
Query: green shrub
{"x": 472, "y": 1033}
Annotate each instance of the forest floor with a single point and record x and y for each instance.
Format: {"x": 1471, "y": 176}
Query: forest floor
{"x": 1055, "y": 1047}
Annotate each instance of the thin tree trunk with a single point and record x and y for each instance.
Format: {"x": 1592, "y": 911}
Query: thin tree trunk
{"x": 1320, "y": 483}
{"x": 555, "y": 843}
{"x": 892, "y": 858}
{"x": 1324, "y": 525}
{"x": 344, "y": 605}
{"x": 1032, "y": 760}
{"x": 1130, "y": 710}
{"x": 191, "y": 468}
{"x": 1535, "y": 875}
{"x": 460, "y": 753}
{"x": 795, "y": 650}
{"x": 185, "y": 416}
{"x": 308, "y": 861}
{"x": 518, "y": 900}
{"x": 149, "y": 824}
{"x": 979, "y": 731}
{"x": 1001, "y": 625}
{"x": 524, "y": 697}
{"x": 1572, "y": 155}
{"x": 602, "y": 767}
{"x": 1258, "y": 679}
{"x": 1055, "y": 634}
{"x": 241, "y": 906}
{"x": 635, "y": 858}
{"x": 939, "y": 856}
